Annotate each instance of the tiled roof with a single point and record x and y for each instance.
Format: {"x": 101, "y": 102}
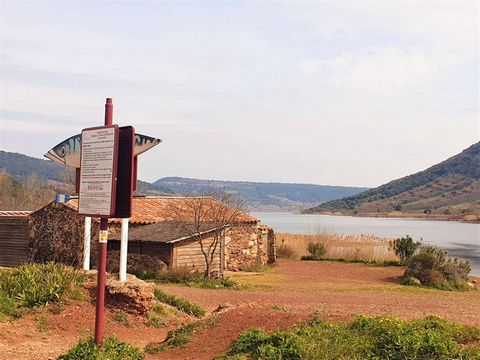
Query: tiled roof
{"x": 152, "y": 209}
{"x": 15, "y": 213}
{"x": 167, "y": 232}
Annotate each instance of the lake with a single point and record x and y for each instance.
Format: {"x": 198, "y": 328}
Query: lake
{"x": 461, "y": 240}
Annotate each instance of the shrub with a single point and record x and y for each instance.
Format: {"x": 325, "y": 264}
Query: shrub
{"x": 155, "y": 317}
{"x": 111, "y": 349}
{"x": 196, "y": 279}
{"x": 316, "y": 250}
{"x": 433, "y": 267}
{"x": 31, "y": 285}
{"x": 363, "y": 338}
{"x": 179, "y": 337}
{"x": 179, "y": 303}
{"x": 404, "y": 247}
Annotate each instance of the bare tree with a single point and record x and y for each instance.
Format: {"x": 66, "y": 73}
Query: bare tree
{"x": 214, "y": 211}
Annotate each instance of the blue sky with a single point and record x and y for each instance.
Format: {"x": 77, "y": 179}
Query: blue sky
{"x": 341, "y": 93}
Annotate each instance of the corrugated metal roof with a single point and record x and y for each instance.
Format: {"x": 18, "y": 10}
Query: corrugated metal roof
{"x": 14, "y": 213}
{"x": 152, "y": 209}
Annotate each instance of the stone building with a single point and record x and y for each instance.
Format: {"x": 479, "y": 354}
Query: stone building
{"x": 56, "y": 232}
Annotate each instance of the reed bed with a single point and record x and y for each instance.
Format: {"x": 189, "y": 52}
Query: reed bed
{"x": 350, "y": 247}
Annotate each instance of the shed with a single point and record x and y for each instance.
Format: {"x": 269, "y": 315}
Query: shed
{"x": 14, "y": 237}
{"x": 175, "y": 245}
{"x": 57, "y": 233}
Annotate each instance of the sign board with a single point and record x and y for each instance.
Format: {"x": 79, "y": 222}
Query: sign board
{"x": 98, "y": 171}
{"x": 125, "y": 172}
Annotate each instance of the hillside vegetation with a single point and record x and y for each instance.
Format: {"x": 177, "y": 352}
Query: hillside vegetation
{"x": 39, "y": 180}
{"x": 264, "y": 196}
{"x": 450, "y": 188}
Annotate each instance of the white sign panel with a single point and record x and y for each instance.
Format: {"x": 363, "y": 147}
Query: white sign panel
{"x": 97, "y": 171}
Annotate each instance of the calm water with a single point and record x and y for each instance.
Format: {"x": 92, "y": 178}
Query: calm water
{"x": 461, "y": 240}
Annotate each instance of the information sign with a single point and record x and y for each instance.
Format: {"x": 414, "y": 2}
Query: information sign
{"x": 98, "y": 171}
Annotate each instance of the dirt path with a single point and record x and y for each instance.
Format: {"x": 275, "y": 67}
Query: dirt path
{"x": 294, "y": 289}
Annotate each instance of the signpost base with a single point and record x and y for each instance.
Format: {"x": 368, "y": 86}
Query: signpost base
{"x": 101, "y": 279}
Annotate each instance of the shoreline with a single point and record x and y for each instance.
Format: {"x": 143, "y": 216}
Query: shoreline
{"x": 412, "y": 216}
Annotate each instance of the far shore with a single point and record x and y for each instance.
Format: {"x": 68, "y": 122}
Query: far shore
{"x": 470, "y": 218}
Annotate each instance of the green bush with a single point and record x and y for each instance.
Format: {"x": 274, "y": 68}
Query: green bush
{"x": 404, "y": 247}
{"x": 31, "y": 285}
{"x": 179, "y": 303}
{"x": 433, "y": 267}
{"x": 111, "y": 349}
{"x": 316, "y": 250}
{"x": 364, "y": 338}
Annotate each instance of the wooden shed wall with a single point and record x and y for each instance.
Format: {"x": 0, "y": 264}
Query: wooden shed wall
{"x": 14, "y": 241}
{"x": 188, "y": 254}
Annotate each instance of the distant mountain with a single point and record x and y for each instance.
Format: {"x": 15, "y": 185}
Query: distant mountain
{"x": 265, "y": 196}
{"x": 20, "y": 167}
{"x": 450, "y": 188}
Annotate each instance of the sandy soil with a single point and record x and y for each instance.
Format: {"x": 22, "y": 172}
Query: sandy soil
{"x": 334, "y": 291}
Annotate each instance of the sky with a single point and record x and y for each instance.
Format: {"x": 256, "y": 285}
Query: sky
{"x": 338, "y": 93}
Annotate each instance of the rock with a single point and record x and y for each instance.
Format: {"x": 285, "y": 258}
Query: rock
{"x": 470, "y": 285}
{"x": 222, "y": 307}
{"x": 474, "y": 281}
{"x": 134, "y": 296}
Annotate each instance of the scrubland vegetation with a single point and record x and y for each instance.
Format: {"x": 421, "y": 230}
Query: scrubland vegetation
{"x": 365, "y": 248}
{"x": 184, "y": 276}
{"x": 111, "y": 349}
{"x": 31, "y": 285}
{"x": 179, "y": 303}
{"x": 363, "y": 338}
{"x": 449, "y": 189}
{"x": 30, "y": 195}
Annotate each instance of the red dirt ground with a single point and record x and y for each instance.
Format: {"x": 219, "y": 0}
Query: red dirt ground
{"x": 332, "y": 290}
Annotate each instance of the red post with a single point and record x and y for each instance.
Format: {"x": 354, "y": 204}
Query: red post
{"x": 102, "y": 254}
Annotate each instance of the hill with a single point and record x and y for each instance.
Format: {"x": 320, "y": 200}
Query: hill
{"x": 264, "y": 196}
{"x": 21, "y": 167}
{"x": 448, "y": 189}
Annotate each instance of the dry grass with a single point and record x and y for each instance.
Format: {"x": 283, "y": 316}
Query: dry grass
{"x": 351, "y": 247}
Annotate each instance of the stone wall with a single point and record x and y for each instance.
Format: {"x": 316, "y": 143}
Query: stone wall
{"x": 249, "y": 245}
{"x": 56, "y": 234}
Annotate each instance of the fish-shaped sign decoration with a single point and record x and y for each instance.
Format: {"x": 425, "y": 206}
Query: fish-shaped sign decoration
{"x": 68, "y": 151}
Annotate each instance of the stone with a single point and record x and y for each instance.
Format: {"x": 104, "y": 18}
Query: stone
{"x": 133, "y": 296}
{"x": 470, "y": 285}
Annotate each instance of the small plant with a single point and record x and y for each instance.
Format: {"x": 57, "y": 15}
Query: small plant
{"x": 179, "y": 303}
{"x": 42, "y": 324}
{"x": 316, "y": 250}
{"x": 111, "y": 349}
{"x": 180, "y": 336}
{"x": 404, "y": 247}
{"x": 121, "y": 318}
{"x": 433, "y": 267}
{"x": 155, "y": 317}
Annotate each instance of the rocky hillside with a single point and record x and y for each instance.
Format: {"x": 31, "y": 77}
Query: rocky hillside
{"x": 264, "y": 196}
{"x": 450, "y": 188}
